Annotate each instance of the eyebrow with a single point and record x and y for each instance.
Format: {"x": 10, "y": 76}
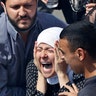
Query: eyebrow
{"x": 45, "y": 48}
{"x": 61, "y": 50}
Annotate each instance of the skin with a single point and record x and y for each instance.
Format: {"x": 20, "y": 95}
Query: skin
{"x": 44, "y": 1}
{"x": 72, "y": 58}
{"x": 21, "y": 13}
{"x": 92, "y": 16}
{"x": 80, "y": 61}
{"x": 73, "y": 91}
{"x": 45, "y": 55}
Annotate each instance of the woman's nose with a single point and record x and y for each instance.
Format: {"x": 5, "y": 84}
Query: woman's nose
{"x": 44, "y": 54}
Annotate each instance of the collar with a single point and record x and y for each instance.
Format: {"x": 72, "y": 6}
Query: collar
{"x": 89, "y": 81}
{"x": 11, "y": 29}
{"x": 52, "y": 80}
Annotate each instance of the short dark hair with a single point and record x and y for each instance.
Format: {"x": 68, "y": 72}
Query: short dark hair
{"x": 81, "y": 34}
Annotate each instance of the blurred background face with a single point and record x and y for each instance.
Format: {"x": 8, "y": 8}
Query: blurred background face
{"x": 21, "y": 13}
{"x": 71, "y": 58}
{"x": 45, "y": 55}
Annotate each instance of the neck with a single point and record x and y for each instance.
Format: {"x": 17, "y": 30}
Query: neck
{"x": 90, "y": 69}
{"x": 24, "y": 36}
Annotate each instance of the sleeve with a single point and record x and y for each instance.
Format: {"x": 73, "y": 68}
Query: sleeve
{"x": 5, "y": 90}
{"x": 31, "y": 80}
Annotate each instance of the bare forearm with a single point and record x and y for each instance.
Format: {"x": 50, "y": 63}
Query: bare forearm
{"x": 41, "y": 83}
{"x": 63, "y": 79}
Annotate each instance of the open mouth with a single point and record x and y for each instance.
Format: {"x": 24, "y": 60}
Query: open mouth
{"x": 47, "y": 66}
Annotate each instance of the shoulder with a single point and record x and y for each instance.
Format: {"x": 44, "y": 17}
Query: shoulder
{"x": 31, "y": 66}
{"x": 31, "y": 73}
{"x": 3, "y": 28}
{"x": 48, "y": 20}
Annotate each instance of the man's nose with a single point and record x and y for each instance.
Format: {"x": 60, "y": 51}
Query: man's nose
{"x": 22, "y": 11}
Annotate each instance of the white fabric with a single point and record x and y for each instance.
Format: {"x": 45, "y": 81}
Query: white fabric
{"x": 52, "y": 80}
{"x": 49, "y": 36}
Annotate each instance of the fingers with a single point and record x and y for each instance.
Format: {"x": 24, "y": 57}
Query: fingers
{"x": 69, "y": 88}
{"x": 63, "y": 94}
{"x": 89, "y": 7}
{"x": 35, "y": 47}
{"x": 44, "y": 1}
{"x": 36, "y": 61}
{"x": 73, "y": 91}
{"x": 56, "y": 50}
{"x": 58, "y": 53}
{"x": 67, "y": 94}
{"x": 75, "y": 88}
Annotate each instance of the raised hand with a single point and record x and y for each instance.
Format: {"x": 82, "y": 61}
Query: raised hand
{"x": 91, "y": 12}
{"x": 73, "y": 91}
{"x": 36, "y": 60}
{"x": 60, "y": 66}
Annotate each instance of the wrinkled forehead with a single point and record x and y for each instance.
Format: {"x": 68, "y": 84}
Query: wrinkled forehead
{"x": 42, "y": 44}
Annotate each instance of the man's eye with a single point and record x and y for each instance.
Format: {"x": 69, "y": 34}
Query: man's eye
{"x": 16, "y": 7}
{"x": 51, "y": 51}
{"x": 28, "y": 6}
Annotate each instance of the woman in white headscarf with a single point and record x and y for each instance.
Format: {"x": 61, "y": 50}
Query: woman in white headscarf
{"x": 44, "y": 76}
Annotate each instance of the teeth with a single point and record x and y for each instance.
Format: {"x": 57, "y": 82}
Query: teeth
{"x": 47, "y": 65}
{"x": 45, "y": 62}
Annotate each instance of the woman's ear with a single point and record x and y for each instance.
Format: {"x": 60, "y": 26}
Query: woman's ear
{"x": 3, "y": 5}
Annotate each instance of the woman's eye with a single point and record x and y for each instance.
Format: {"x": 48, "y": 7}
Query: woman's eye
{"x": 51, "y": 51}
{"x": 39, "y": 50}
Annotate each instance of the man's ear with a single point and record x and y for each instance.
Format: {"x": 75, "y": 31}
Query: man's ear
{"x": 3, "y": 5}
{"x": 80, "y": 53}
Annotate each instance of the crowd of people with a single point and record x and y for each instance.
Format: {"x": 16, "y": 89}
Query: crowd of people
{"x": 41, "y": 55}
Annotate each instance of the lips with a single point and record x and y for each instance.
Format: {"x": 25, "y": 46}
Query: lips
{"x": 47, "y": 69}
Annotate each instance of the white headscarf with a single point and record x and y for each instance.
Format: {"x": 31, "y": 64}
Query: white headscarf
{"x": 49, "y": 36}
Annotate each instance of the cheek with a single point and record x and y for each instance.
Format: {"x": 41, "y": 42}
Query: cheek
{"x": 51, "y": 57}
{"x": 38, "y": 55}
{"x": 32, "y": 12}
{"x": 70, "y": 60}
{"x": 12, "y": 14}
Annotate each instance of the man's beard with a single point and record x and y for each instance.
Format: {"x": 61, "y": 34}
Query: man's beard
{"x": 23, "y": 30}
